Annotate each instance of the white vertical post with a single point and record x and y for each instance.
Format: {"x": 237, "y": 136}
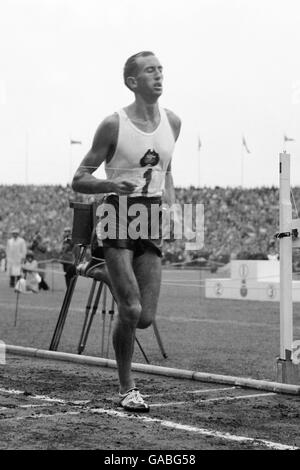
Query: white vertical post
{"x": 286, "y": 284}
{"x": 70, "y": 162}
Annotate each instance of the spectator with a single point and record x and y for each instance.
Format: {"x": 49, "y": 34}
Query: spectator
{"x": 2, "y": 259}
{"x": 39, "y": 248}
{"x": 30, "y": 270}
{"x": 15, "y": 252}
{"x": 236, "y": 220}
{"x": 272, "y": 253}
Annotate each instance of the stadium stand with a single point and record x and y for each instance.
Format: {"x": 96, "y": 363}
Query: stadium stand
{"x": 239, "y": 223}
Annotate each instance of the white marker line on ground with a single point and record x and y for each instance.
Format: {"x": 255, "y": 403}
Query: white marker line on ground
{"x": 183, "y": 392}
{"x": 179, "y": 271}
{"x": 11, "y": 391}
{"x": 31, "y": 405}
{"x": 184, "y": 280}
{"x": 168, "y": 424}
{"x": 39, "y": 308}
{"x": 217, "y": 321}
{"x": 202, "y": 431}
{"x": 173, "y": 284}
{"x": 208, "y": 400}
{"x": 57, "y": 400}
{"x": 170, "y": 403}
{"x": 240, "y": 397}
{"x": 171, "y": 319}
{"x": 5, "y": 408}
{"x": 44, "y": 397}
{"x": 211, "y": 390}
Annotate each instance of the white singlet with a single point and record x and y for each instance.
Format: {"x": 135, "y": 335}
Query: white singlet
{"x": 140, "y": 157}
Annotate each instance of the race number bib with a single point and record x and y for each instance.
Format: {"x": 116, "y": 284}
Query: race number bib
{"x": 148, "y": 181}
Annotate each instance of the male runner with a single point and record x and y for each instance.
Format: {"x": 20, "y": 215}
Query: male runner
{"x": 136, "y": 145}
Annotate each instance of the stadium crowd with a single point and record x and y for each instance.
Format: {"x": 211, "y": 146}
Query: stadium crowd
{"x": 238, "y": 223}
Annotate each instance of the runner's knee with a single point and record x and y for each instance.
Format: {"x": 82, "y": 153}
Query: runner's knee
{"x": 144, "y": 323}
{"x": 130, "y": 313}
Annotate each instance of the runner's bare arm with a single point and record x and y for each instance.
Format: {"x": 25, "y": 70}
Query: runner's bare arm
{"x": 103, "y": 148}
{"x": 175, "y": 123}
{"x": 169, "y": 194}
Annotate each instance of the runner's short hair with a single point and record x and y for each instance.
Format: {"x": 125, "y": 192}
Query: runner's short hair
{"x": 131, "y": 66}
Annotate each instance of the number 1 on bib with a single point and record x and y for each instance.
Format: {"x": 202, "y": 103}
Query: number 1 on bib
{"x": 147, "y": 175}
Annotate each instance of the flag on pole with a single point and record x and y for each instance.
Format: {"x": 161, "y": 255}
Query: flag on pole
{"x": 75, "y": 142}
{"x": 245, "y": 145}
{"x": 288, "y": 139}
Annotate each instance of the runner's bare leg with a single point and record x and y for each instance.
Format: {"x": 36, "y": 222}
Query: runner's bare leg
{"x": 147, "y": 269}
{"x": 126, "y": 290}
{"x": 136, "y": 285}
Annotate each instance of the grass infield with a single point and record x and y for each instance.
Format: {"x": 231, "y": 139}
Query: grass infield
{"x": 231, "y": 337}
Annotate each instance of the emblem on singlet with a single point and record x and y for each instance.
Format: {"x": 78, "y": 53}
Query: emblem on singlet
{"x": 150, "y": 158}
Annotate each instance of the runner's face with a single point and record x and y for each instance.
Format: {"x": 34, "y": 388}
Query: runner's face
{"x": 149, "y": 77}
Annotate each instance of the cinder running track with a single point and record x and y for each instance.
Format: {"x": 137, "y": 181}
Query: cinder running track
{"x": 46, "y": 404}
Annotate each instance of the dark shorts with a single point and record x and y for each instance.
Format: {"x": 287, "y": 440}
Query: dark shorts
{"x": 150, "y": 229}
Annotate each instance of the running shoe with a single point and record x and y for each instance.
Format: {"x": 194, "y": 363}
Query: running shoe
{"x": 93, "y": 268}
{"x": 133, "y": 401}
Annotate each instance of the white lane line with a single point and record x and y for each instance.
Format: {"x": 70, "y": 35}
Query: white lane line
{"x": 40, "y": 307}
{"x": 175, "y": 284}
{"x": 11, "y": 408}
{"x": 217, "y": 321}
{"x": 170, "y": 403}
{"x": 202, "y": 431}
{"x": 11, "y": 391}
{"x": 183, "y": 392}
{"x": 168, "y": 424}
{"x": 31, "y": 405}
{"x": 58, "y": 400}
{"x": 240, "y": 397}
{"x": 44, "y": 397}
{"x": 181, "y": 280}
{"x": 211, "y": 390}
{"x": 209, "y": 400}
{"x": 172, "y": 318}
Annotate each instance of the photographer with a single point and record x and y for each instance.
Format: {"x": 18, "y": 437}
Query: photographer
{"x": 67, "y": 256}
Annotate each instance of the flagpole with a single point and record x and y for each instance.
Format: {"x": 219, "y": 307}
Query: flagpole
{"x": 199, "y": 166}
{"x": 199, "y": 176}
{"x": 26, "y": 157}
{"x": 70, "y": 160}
{"x": 72, "y": 142}
{"x": 285, "y": 140}
{"x": 244, "y": 148}
{"x": 242, "y": 165}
